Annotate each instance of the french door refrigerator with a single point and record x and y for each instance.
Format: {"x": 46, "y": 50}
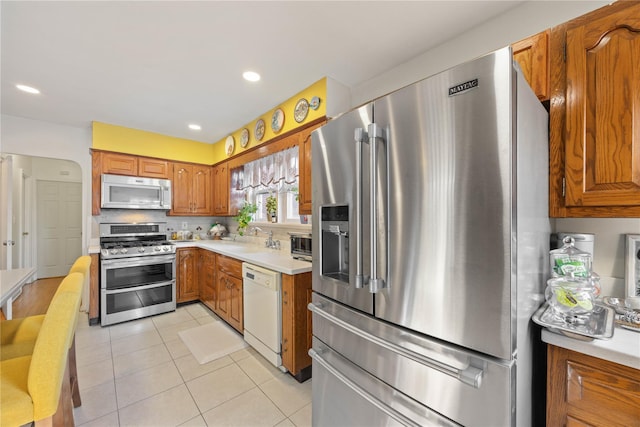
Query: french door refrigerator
{"x": 430, "y": 245}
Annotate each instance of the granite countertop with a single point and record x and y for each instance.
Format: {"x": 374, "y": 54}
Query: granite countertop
{"x": 623, "y": 348}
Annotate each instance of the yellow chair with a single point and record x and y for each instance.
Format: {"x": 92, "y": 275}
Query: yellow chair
{"x": 81, "y": 265}
{"x": 35, "y": 387}
{"x": 18, "y": 336}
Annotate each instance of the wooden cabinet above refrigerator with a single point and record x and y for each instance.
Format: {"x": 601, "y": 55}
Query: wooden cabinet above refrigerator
{"x": 532, "y": 55}
{"x": 595, "y": 107}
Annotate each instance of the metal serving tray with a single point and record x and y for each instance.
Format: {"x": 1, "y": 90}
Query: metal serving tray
{"x": 597, "y": 324}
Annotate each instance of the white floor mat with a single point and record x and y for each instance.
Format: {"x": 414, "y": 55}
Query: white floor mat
{"x": 212, "y": 341}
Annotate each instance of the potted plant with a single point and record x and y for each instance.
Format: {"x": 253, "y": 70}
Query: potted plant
{"x": 245, "y": 215}
{"x": 272, "y": 208}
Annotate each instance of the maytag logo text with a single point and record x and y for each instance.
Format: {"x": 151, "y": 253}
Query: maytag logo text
{"x": 462, "y": 87}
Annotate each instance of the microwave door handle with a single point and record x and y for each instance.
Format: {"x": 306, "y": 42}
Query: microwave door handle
{"x": 375, "y": 137}
{"x": 360, "y": 280}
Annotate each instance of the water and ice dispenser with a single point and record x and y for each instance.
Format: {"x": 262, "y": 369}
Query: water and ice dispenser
{"x": 335, "y": 242}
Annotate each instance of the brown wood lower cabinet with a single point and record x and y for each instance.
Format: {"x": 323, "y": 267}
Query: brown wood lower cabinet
{"x": 587, "y": 391}
{"x": 94, "y": 290}
{"x": 187, "y": 286}
{"x": 296, "y": 325}
{"x": 207, "y": 267}
{"x": 228, "y": 291}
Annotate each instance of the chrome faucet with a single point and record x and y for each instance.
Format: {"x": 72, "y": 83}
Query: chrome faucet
{"x": 268, "y": 243}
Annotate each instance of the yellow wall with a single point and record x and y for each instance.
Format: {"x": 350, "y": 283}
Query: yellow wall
{"x": 318, "y": 89}
{"x": 142, "y": 143}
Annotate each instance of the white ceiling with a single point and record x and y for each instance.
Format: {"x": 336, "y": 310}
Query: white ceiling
{"x": 159, "y": 66}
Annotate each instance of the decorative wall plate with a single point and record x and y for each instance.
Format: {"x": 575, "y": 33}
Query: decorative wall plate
{"x": 301, "y": 110}
{"x": 229, "y": 145}
{"x": 244, "y": 137}
{"x": 259, "y": 131}
{"x": 315, "y": 103}
{"x": 277, "y": 120}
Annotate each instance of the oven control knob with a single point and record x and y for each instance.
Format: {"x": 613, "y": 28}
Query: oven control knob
{"x": 157, "y": 249}
{"x": 105, "y": 252}
{"x": 114, "y": 251}
{"x": 165, "y": 248}
{"x": 123, "y": 251}
{"x": 140, "y": 249}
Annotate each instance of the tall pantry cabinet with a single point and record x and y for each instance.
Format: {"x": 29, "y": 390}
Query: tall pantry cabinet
{"x": 594, "y": 116}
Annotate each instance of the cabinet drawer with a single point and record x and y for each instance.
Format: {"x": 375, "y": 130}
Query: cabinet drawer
{"x": 231, "y": 266}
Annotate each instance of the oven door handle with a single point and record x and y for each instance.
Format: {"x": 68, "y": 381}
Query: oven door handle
{"x": 138, "y": 288}
{"x": 138, "y": 261}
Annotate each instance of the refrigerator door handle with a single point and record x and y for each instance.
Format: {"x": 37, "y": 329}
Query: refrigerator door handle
{"x": 361, "y": 392}
{"x": 360, "y": 279}
{"x": 470, "y": 375}
{"x": 375, "y": 137}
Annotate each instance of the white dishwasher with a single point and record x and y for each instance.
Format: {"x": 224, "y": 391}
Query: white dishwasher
{"x": 263, "y": 311}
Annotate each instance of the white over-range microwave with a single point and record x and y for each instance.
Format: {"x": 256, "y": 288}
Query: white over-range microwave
{"x": 131, "y": 192}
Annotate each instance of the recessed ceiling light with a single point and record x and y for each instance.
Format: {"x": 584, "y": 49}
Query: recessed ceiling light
{"x": 194, "y": 126}
{"x": 251, "y": 76}
{"x": 28, "y": 89}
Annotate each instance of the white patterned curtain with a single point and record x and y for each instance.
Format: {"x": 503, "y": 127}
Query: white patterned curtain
{"x": 277, "y": 172}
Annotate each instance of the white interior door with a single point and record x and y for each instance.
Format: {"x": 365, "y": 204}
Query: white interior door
{"x": 6, "y": 212}
{"x": 29, "y": 220}
{"x": 59, "y": 241}
{"x": 17, "y": 212}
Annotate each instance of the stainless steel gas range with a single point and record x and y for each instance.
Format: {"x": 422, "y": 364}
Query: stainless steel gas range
{"x": 137, "y": 272}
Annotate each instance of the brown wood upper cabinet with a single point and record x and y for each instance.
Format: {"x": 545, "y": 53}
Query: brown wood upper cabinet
{"x": 595, "y": 108}
{"x": 192, "y": 190}
{"x": 532, "y": 54}
{"x": 304, "y": 153}
{"x": 221, "y": 189}
{"x": 126, "y": 164}
{"x": 123, "y": 164}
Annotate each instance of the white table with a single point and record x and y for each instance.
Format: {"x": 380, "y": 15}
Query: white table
{"x": 11, "y": 283}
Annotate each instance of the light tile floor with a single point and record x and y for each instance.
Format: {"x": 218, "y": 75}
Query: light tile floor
{"x": 140, "y": 373}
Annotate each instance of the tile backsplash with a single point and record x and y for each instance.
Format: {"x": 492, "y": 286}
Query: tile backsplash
{"x": 175, "y": 223}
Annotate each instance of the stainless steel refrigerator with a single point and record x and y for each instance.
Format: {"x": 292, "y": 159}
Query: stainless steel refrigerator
{"x": 430, "y": 246}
